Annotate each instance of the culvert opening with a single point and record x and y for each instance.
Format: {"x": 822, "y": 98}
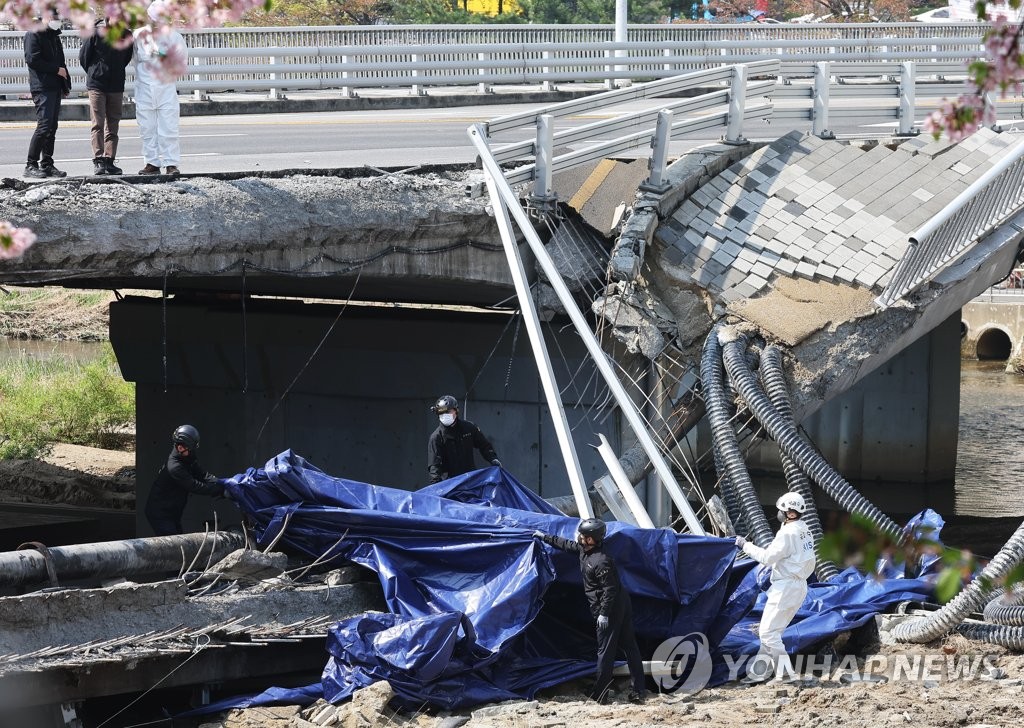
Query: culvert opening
{"x": 994, "y": 344}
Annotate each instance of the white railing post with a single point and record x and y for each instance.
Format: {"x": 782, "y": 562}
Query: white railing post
{"x": 543, "y": 192}
{"x": 347, "y": 92}
{"x": 199, "y": 94}
{"x": 819, "y": 111}
{"x": 621, "y": 36}
{"x": 907, "y": 99}
{"x": 274, "y": 93}
{"x": 546, "y": 84}
{"x": 657, "y": 182}
{"x": 482, "y": 87}
{"x": 609, "y": 83}
{"x": 667, "y": 52}
{"x": 417, "y": 89}
{"x": 737, "y": 106}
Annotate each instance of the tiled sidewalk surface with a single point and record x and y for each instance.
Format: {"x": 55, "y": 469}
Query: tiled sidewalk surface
{"x": 821, "y": 210}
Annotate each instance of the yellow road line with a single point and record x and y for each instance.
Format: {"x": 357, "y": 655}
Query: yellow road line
{"x": 589, "y": 187}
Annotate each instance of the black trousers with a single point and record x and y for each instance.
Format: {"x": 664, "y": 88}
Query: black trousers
{"x": 618, "y": 635}
{"x": 47, "y": 112}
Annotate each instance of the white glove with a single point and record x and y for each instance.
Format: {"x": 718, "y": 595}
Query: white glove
{"x": 740, "y": 542}
{"x": 539, "y": 534}
{"x": 602, "y": 622}
{"x": 496, "y": 463}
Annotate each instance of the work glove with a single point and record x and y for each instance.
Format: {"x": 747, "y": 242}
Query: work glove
{"x": 740, "y": 542}
{"x": 602, "y": 622}
{"x": 539, "y": 534}
{"x": 496, "y": 463}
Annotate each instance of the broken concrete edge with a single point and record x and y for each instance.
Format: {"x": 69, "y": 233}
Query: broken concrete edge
{"x": 685, "y": 176}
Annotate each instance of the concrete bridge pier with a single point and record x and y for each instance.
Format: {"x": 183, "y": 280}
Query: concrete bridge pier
{"x": 358, "y": 408}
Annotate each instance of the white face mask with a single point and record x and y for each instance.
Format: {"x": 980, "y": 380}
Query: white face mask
{"x": 447, "y": 419}
{"x": 54, "y": 24}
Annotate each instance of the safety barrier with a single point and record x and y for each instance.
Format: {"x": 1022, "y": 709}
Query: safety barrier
{"x": 415, "y": 57}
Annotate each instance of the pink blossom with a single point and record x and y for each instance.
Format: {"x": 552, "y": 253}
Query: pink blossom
{"x": 166, "y": 50}
{"x": 14, "y": 241}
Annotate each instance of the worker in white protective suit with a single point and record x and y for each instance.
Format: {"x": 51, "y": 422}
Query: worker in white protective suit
{"x": 791, "y": 556}
{"x": 159, "y": 55}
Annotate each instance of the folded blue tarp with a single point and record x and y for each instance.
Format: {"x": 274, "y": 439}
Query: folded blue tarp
{"x": 481, "y": 611}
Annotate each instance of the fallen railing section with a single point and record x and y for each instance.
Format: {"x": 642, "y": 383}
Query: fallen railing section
{"x": 990, "y": 200}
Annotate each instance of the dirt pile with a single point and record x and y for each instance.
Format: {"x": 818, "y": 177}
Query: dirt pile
{"x": 985, "y": 697}
{"x": 72, "y": 475}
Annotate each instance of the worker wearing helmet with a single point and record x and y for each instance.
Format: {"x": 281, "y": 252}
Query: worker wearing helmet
{"x": 609, "y": 603}
{"x": 181, "y": 475}
{"x": 450, "y": 448}
{"x": 791, "y": 556}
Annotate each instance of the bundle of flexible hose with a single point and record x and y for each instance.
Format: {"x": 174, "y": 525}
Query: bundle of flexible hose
{"x": 996, "y": 634}
{"x": 970, "y": 599}
{"x": 791, "y": 443}
{"x": 732, "y": 506}
{"x": 774, "y": 381}
{"x": 1006, "y": 608}
{"x": 726, "y": 445}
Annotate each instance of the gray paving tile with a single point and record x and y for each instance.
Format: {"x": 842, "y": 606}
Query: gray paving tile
{"x": 755, "y": 243}
{"x": 786, "y": 266}
{"x": 846, "y": 275}
{"x": 825, "y": 271}
{"x": 806, "y": 270}
{"x": 673, "y": 255}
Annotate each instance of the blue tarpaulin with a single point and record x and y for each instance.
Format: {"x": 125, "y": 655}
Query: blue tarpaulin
{"x": 481, "y": 611}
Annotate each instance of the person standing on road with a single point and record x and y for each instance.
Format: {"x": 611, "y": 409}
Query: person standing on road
{"x": 156, "y": 97}
{"x": 609, "y": 603}
{"x": 49, "y": 82}
{"x": 791, "y": 556}
{"x": 181, "y": 474}
{"x": 450, "y": 448}
{"x": 104, "y": 68}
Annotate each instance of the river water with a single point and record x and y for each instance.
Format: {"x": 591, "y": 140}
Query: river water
{"x": 990, "y": 455}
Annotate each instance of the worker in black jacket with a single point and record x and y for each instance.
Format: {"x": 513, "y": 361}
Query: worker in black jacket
{"x": 180, "y": 476}
{"x": 104, "y": 68}
{"x": 450, "y": 448}
{"x": 49, "y": 82}
{"x": 609, "y": 604}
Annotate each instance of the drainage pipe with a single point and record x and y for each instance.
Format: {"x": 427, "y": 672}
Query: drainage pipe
{"x": 726, "y": 445}
{"x": 1006, "y": 608}
{"x": 792, "y": 444}
{"x": 774, "y": 381}
{"x": 132, "y": 557}
{"x": 970, "y": 599}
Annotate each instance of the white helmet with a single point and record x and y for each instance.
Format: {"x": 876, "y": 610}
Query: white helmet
{"x": 791, "y": 502}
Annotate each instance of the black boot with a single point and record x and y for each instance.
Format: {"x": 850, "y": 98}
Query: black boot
{"x": 32, "y": 170}
{"x": 100, "y": 166}
{"x": 111, "y": 169}
{"x": 46, "y": 165}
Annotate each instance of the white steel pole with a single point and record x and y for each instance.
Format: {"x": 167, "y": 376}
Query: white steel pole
{"x": 621, "y": 34}
{"x": 540, "y": 352}
{"x": 500, "y": 190}
{"x": 611, "y": 461}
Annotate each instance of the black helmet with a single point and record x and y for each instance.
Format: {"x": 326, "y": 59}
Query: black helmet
{"x": 593, "y": 527}
{"x": 186, "y": 435}
{"x": 444, "y": 403}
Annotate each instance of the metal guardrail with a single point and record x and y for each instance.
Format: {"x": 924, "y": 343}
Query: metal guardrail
{"x": 651, "y": 127}
{"x": 348, "y": 58}
{"x": 991, "y": 199}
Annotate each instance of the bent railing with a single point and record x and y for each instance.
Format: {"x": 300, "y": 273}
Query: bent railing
{"x": 987, "y": 202}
